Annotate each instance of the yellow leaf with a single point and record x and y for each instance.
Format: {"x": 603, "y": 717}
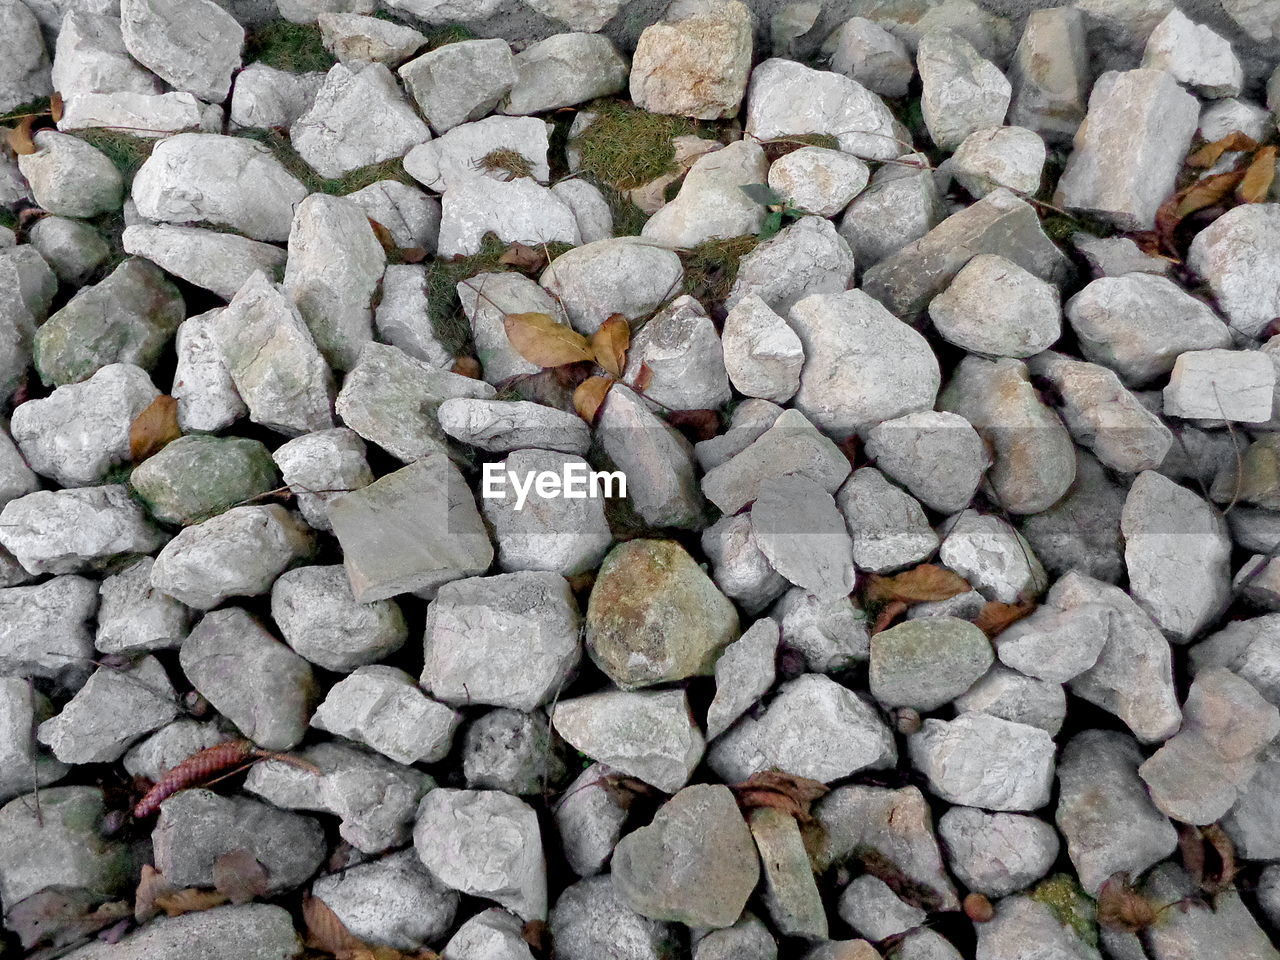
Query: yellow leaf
{"x": 610, "y": 343}
{"x": 154, "y": 427}
{"x": 589, "y": 396}
{"x": 1207, "y": 192}
{"x": 923, "y": 584}
{"x": 541, "y": 339}
{"x": 1258, "y": 178}
{"x": 19, "y": 137}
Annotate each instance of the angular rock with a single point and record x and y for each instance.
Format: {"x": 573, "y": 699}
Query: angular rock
{"x": 563, "y": 70}
{"x": 939, "y": 457}
{"x": 738, "y": 567}
{"x": 997, "y": 853}
{"x": 1055, "y": 644}
{"x": 195, "y": 477}
{"x": 992, "y": 556}
{"x": 502, "y": 425}
{"x": 591, "y": 918}
{"x": 888, "y": 526}
{"x": 1012, "y": 696}
{"x": 747, "y": 422}
{"x": 589, "y": 820}
{"x": 460, "y": 153}
{"x": 995, "y": 308}
{"x": 684, "y": 357}
{"x": 1050, "y": 74}
{"x": 711, "y": 204}
{"x": 71, "y": 178}
{"x": 218, "y": 262}
{"x": 74, "y": 250}
{"x": 1251, "y": 823}
{"x": 980, "y": 760}
{"x": 624, "y": 275}
{"x": 828, "y": 636}
{"x": 1229, "y": 926}
{"x": 202, "y": 385}
{"x": 744, "y": 673}
{"x": 762, "y": 353}
{"x": 321, "y": 466}
{"x": 748, "y": 939}
{"x": 194, "y": 45}
{"x": 797, "y": 527}
{"x": 1024, "y": 919}
{"x": 159, "y": 753}
{"x": 818, "y": 180}
{"x": 695, "y": 61}
{"x": 512, "y": 751}
{"x": 25, "y": 75}
{"x": 926, "y": 663}
{"x": 487, "y": 299}
{"x": 865, "y": 51}
{"x": 519, "y": 211}
{"x": 29, "y": 287}
{"x": 27, "y": 764}
{"x": 90, "y": 57}
{"x": 322, "y": 621}
{"x": 1236, "y": 254}
{"x": 873, "y": 910}
{"x": 393, "y": 901}
{"x": 992, "y": 157}
{"x": 354, "y": 37}
{"x": 809, "y": 257}
{"x": 383, "y": 708}
{"x": 252, "y": 931}
{"x": 901, "y": 204}
{"x": 148, "y": 116}
{"x": 265, "y": 97}
{"x": 962, "y": 92}
{"x": 1194, "y": 55}
{"x": 1235, "y": 385}
{"x": 589, "y": 206}
{"x": 461, "y": 81}
{"x": 67, "y": 531}
{"x": 410, "y": 216}
{"x": 401, "y": 317}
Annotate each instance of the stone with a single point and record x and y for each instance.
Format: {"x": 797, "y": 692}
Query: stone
{"x": 649, "y": 735}
{"x": 747, "y": 422}
{"x": 1220, "y": 118}
{"x": 786, "y": 98}
{"x": 491, "y": 933}
{"x": 322, "y": 621}
{"x": 156, "y": 755}
{"x": 591, "y": 918}
{"x": 992, "y": 556}
{"x": 410, "y": 216}
{"x": 1033, "y": 458}
{"x": 310, "y": 11}
{"x": 519, "y": 211}
{"x": 74, "y": 250}
{"x": 149, "y": 116}
{"x": 711, "y": 204}
{"x": 780, "y": 737}
{"x": 866, "y": 52}
{"x": 738, "y": 567}
{"x": 961, "y": 91}
{"x": 1247, "y": 648}
{"x": 196, "y": 827}
{"x": 1116, "y": 256}
{"x": 112, "y": 710}
{"x": 991, "y": 157}
{"x": 498, "y": 426}
{"x": 937, "y": 456}
{"x": 214, "y": 261}
{"x": 655, "y": 458}
{"x": 809, "y": 257}
{"x": 412, "y": 530}
{"x": 695, "y": 61}
{"x": 334, "y": 269}
{"x": 461, "y": 81}
{"x": 654, "y": 616}
{"x": 510, "y": 641}
{"x": 78, "y": 433}
{"x": 29, "y": 287}
{"x": 563, "y": 70}
{"x": 90, "y": 57}
{"x": 194, "y": 47}
{"x": 926, "y": 663}
{"x": 354, "y": 37}
{"x": 923, "y": 944}
{"x": 401, "y": 317}
{"x": 1055, "y": 644}
{"x": 487, "y": 299}
{"x": 1251, "y": 822}
{"x": 1000, "y": 223}
{"x": 1177, "y": 553}
{"x": 320, "y": 466}
{"x": 1018, "y": 698}
{"x": 894, "y": 824}
{"x": 1194, "y": 55}
{"x": 69, "y": 531}
{"x": 566, "y": 535}
{"x": 383, "y": 708}
{"x": 71, "y": 178}
{"x": 60, "y": 844}
{"x": 797, "y": 527}
{"x": 512, "y": 751}
{"x": 1229, "y": 926}
{"x": 202, "y": 385}
{"x": 252, "y": 931}
{"x": 1138, "y": 325}
{"x": 589, "y": 206}
{"x": 1217, "y": 385}
{"x": 684, "y": 356}
{"x": 828, "y": 636}
{"x": 359, "y": 117}
{"x": 26, "y": 62}
{"x": 748, "y": 939}
{"x": 695, "y": 863}
{"x": 818, "y": 180}
{"x": 459, "y": 154}
{"x": 762, "y": 354}
{"x": 1129, "y": 148}
{"x": 997, "y": 853}
{"x": 196, "y": 477}
{"x": 27, "y": 764}
{"x": 1050, "y": 74}
{"x": 980, "y": 760}
{"x": 995, "y": 308}
{"x": 393, "y": 901}
{"x": 202, "y": 177}
{"x": 873, "y": 910}
{"x": 1246, "y": 288}
{"x": 265, "y": 97}
{"x": 1024, "y": 919}
{"x": 899, "y": 205}
{"x": 484, "y": 843}
{"x": 624, "y": 275}
{"x": 744, "y": 673}
{"x": 589, "y": 820}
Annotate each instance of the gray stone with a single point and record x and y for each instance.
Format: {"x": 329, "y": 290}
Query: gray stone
{"x": 202, "y": 385}
{"x": 711, "y": 204}
{"x": 1216, "y": 385}
{"x": 874, "y": 911}
{"x": 373, "y": 798}
{"x": 1050, "y": 74}
{"x": 694, "y": 864}
{"x": 486, "y": 844}
{"x": 494, "y": 933}
{"x": 253, "y": 931}
{"x": 462, "y": 81}
{"x": 27, "y": 764}
{"x": 1194, "y": 55}
{"x": 25, "y": 75}
{"x": 901, "y": 204}
{"x": 683, "y": 353}
{"x": 198, "y": 826}
{"x": 797, "y": 527}
{"x": 1248, "y": 648}
{"x": 818, "y": 180}
{"x": 649, "y": 735}
{"x": 1022, "y": 920}
{"x": 163, "y": 750}
{"x": 1013, "y": 696}
{"x": 962, "y": 91}
{"x": 195, "y": 477}
{"x": 68, "y": 531}
{"x": 194, "y": 46}
{"x": 888, "y": 526}
{"x": 995, "y": 308}
{"x": 410, "y": 216}
{"x": 354, "y": 37}
{"x": 1082, "y": 530}
{"x": 460, "y": 153}
{"x": 147, "y": 116}
{"x": 997, "y": 853}
{"x": 487, "y": 299}
{"x": 624, "y": 275}
{"x": 1228, "y": 926}
{"x": 748, "y": 939}
{"x": 1055, "y": 644}
{"x": 926, "y": 663}
{"x": 29, "y": 287}
{"x": 44, "y": 630}
{"x": 219, "y": 262}
{"x": 393, "y": 901}
{"x": 747, "y": 421}
{"x": 1129, "y": 148}
{"x": 923, "y": 944}
{"x": 323, "y": 622}
{"x": 501, "y": 425}
{"x": 309, "y": 11}
{"x": 383, "y": 708}
{"x": 866, "y": 52}
{"x": 780, "y": 737}
{"x": 992, "y": 157}
{"x": 589, "y": 206}
{"x": 744, "y": 674}
{"x": 591, "y": 919}
{"x": 589, "y": 819}
{"x": 806, "y": 258}
{"x": 563, "y": 70}
{"x": 695, "y": 61}
{"x": 939, "y": 457}
{"x": 1251, "y": 823}
{"x": 992, "y": 556}
{"x": 738, "y": 567}
{"x": 791, "y": 894}
{"x": 411, "y": 530}
{"x": 227, "y": 181}
{"x": 321, "y": 466}
{"x": 265, "y": 97}
{"x": 510, "y": 641}
{"x": 75, "y": 250}
{"x": 71, "y": 178}
{"x": 512, "y": 751}
{"x": 90, "y": 57}
{"x": 980, "y": 760}
{"x": 519, "y": 211}
{"x": 829, "y": 636}
{"x": 1220, "y": 118}
{"x": 402, "y": 318}
{"x": 1236, "y": 255}
{"x": 588, "y": 15}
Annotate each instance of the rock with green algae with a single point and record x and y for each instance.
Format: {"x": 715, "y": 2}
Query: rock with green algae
{"x": 1063, "y": 895}
{"x": 927, "y": 662}
{"x": 654, "y": 616}
{"x": 196, "y": 477}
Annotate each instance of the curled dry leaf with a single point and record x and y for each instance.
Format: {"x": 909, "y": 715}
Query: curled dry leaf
{"x": 1211, "y": 153}
{"x": 387, "y": 241}
{"x": 995, "y": 616}
{"x": 890, "y": 612}
{"x": 467, "y": 367}
{"x": 610, "y": 343}
{"x": 19, "y": 137}
{"x": 240, "y": 876}
{"x": 1208, "y": 855}
{"x": 698, "y": 425}
{"x": 543, "y": 340}
{"x": 589, "y": 396}
{"x": 1256, "y": 185}
{"x": 782, "y": 791}
{"x": 190, "y": 900}
{"x": 643, "y": 378}
{"x": 624, "y": 790}
{"x": 1122, "y": 907}
{"x": 325, "y": 931}
{"x": 55, "y": 107}
{"x": 413, "y": 254}
{"x": 151, "y": 887}
{"x": 523, "y": 257}
{"x": 926, "y": 583}
{"x": 154, "y": 427}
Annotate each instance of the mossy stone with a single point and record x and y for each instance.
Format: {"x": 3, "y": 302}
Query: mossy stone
{"x": 194, "y": 478}
{"x": 927, "y": 662}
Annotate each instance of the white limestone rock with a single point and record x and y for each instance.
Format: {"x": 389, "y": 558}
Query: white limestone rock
{"x": 69, "y": 531}
{"x": 695, "y": 61}
{"x": 1195, "y": 55}
{"x": 216, "y": 261}
{"x": 460, "y": 81}
{"x": 806, "y": 258}
{"x": 320, "y": 466}
{"x": 149, "y": 116}
{"x": 563, "y": 70}
{"x": 889, "y": 529}
{"x": 383, "y": 708}
{"x": 938, "y": 457}
{"x": 818, "y": 180}
{"x": 962, "y": 92}
{"x": 624, "y": 275}
{"x": 1239, "y": 254}
{"x": 683, "y": 353}
{"x": 459, "y": 153}
{"x": 865, "y": 51}
{"x": 711, "y": 204}
{"x": 71, "y": 178}
{"x": 979, "y": 760}
{"x": 519, "y": 211}
{"x": 762, "y": 354}
{"x": 995, "y": 308}
{"x": 993, "y": 157}
{"x": 265, "y": 97}
{"x": 353, "y": 37}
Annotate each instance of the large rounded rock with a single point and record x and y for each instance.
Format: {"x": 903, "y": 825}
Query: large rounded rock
{"x": 927, "y": 662}
{"x": 655, "y": 616}
{"x": 196, "y": 477}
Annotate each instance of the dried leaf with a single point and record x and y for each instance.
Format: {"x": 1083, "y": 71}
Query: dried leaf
{"x": 926, "y": 583}
{"x": 190, "y": 900}
{"x": 624, "y": 790}
{"x": 537, "y": 935}
{"x": 890, "y": 612}
{"x": 995, "y": 616}
{"x": 240, "y": 876}
{"x": 1122, "y": 907}
{"x": 55, "y": 107}
{"x": 610, "y": 343}
{"x": 151, "y": 887}
{"x": 154, "y": 427}
{"x": 697, "y": 424}
{"x": 1211, "y": 153}
{"x": 413, "y": 254}
{"x": 781, "y": 791}
{"x": 325, "y": 931}
{"x": 19, "y": 137}
{"x": 1224, "y": 867}
{"x": 61, "y": 916}
{"x": 523, "y": 257}
{"x": 643, "y": 378}
{"x": 589, "y": 396}
{"x": 384, "y": 236}
{"x": 1207, "y": 192}
{"x": 912, "y": 891}
{"x": 1191, "y": 847}
{"x": 1256, "y": 185}
{"x": 541, "y": 339}
{"x": 467, "y": 367}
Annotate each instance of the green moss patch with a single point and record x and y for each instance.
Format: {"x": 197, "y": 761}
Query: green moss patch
{"x": 711, "y": 267}
{"x": 285, "y": 45}
{"x": 1062, "y": 894}
{"x": 626, "y": 147}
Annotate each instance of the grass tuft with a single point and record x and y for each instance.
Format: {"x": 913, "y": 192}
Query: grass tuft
{"x": 508, "y": 161}
{"x": 445, "y": 35}
{"x": 123, "y": 149}
{"x": 626, "y": 147}
{"x": 285, "y": 45}
{"x": 711, "y": 267}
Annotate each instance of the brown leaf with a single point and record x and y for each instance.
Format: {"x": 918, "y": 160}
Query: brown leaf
{"x": 537, "y": 935}
{"x": 1122, "y": 907}
{"x": 325, "y": 931}
{"x": 541, "y": 339}
{"x": 912, "y": 891}
{"x": 154, "y": 427}
{"x": 1256, "y": 185}
{"x": 61, "y": 916}
{"x": 467, "y": 367}
{"x": 19, "y": 137}
{"x": 610, "y": 343}
{"x": 55, "y": 107}
{"x": 995, "y": 616}
{"x": 643, "y": 378}
{"x": 589, "y": 396}
{"x": 624, "y": 790}
{"x": 923, "y": 584}
{"x": 1224, "y": 867}
{"x": 523, "y": 257}
{"x": 1207, "y": 192}
{"x": 890, "y": 612}
{"x": 696, "y": 424}
{"x": 151, "y": 887}
{"x": 240, "y": 876}
{"x": 1211, "y": 153}
{"x": 1191, "y": 847}
{"x": 384, "y": 236}
{"x": 190, "y": 900}
{"x": 782, "y": 791}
